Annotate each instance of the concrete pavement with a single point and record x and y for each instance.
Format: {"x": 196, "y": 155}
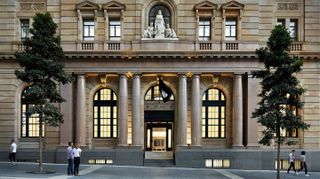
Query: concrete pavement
{"x": 22, "y": 171}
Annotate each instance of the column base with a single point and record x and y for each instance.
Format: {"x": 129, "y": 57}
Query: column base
{"x": 238, "y": 147}
{"x": 182, "y": 147}
{"x": 122, "y": 146}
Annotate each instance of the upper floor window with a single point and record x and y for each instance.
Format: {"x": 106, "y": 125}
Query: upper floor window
{"x": 29, "y": 124}
{"x": 293, "y": 29}
{"x": 24, "y": 29}
{"x": 88, "y": 29}
{"x": 105, "y": 114}
{"x": 114, "y": 29}
{"x": 213, "y": 114}
{"x": 281, "y": 22}
{"x": 204, "y": 29}
{"x": 153, "y": 94}
{"x": 231, "y": 29}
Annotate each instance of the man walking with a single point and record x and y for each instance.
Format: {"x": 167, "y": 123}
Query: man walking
{"x": 13, "y": 151}
{"x": 292, "y": 160}
{"x": 70, "y": 158}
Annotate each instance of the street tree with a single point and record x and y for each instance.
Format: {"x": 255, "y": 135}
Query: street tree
{"x": 42, "y": 69}
{"x": 281, "y": 91}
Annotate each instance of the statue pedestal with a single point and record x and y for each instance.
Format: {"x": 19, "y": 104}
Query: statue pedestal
{"x": 159, "y": 36}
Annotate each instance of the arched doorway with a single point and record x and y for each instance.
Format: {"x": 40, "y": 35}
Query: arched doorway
{"x": 158, "y": 121}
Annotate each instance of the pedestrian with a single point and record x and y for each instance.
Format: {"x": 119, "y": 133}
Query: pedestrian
{"x": 76, "y": 154}
{"x": 292, "y": 160}
{"x": 303, "y": 164}
{"x": 13, "y": 151}
{"x": 70, "y": 158}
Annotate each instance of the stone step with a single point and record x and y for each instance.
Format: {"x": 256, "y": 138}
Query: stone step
{"x": 159, "y": 163}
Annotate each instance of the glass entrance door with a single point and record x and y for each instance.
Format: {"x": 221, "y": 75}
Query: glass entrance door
{"x": 159, "y": 137}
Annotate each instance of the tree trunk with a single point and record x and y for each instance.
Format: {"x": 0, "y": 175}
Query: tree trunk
{"x": 40, "y": 144}
{"x": 278, "y": 153}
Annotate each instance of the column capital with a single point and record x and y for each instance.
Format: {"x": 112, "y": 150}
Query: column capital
{"x": 196, "y": 76}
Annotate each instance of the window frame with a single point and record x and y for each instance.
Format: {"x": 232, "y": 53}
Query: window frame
{"x": 110, "y": 25}
{"x": 88, "y": 37}
{"x": 202, "y": 22}
{"x": 204, "y": 116}
{"x": 155, "y": 96}
{"x": 112, "y": 103}
{"x": 24, "y": 27}
{"x": 231, "y": 37}
{"x": 27, "y": 119}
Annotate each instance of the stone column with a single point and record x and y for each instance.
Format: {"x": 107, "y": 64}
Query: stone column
{"x": 253, "y": 90}
{"x": 66, "y": 129}
{"x": 238, "y": 112}
{"x": 123, "y": 111}
{"x": 182, "y": 111}
{"x": 136, "y": 110}
{"x": 196, "y": 112}
{"x": 81, "y": 111}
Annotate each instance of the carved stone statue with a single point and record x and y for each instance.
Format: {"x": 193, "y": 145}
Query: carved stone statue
{"x": 149, "y": 32}
{"x": 168, "y": 32}
{"x": 159, "y": 26}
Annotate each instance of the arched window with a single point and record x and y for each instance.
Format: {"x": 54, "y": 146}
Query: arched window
{"x": 29, "y": 124}
{"x": 105, "y": 114}
{"x": 153, "y": 94}
{"x": 213, "y": 114}
{"x": 165, "y": 13}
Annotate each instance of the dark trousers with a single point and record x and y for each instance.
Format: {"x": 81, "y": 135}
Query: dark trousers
{"x": 70, "y": 166}
{"x": 291, "y": 165}
{"x": 12, "y": 156}
{"x": 304, "y": 165}
{"x": 76, "y": 165}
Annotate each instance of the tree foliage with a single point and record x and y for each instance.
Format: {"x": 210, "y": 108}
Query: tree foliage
{"x": 280, "y": 88}
{"x": 42, "y": 69}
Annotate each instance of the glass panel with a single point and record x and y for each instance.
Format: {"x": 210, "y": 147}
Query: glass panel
{"x": 169, "y": 138}
{"x": 208, "y": 163}
{"x": 148, "y": 138}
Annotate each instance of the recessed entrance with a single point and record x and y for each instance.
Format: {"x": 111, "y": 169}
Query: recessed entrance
{"x": 159, "y": 136}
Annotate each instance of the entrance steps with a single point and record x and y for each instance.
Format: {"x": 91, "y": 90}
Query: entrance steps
{"x": 159, "y": 159}
{"x": 159, "y": 163}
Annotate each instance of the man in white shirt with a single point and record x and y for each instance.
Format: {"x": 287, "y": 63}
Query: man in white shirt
{"x": 13, "y": 151}
{"x": 76, "y": 153}
{"x": 292, "y": 160}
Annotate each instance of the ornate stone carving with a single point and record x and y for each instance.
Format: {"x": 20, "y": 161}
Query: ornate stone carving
{"x": 33, "y": 5}
{"x": 288, "y": 6}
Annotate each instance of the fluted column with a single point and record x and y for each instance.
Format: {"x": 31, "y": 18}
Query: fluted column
{"x": 81, "y": 111}
{"x": 182, "y": 111}
{"x": 123, "y": 111}
{"x": 136, "y": 110}
{"x": 196, "y": 112}
{"x": 238, "y": 112}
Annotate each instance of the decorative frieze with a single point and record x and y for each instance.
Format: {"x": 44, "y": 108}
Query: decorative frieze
{"x": 286, "y": 6}
{"x": 33, "y": 5}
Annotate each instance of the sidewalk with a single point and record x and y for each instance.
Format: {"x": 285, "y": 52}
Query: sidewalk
{"x": 22, "y": 171}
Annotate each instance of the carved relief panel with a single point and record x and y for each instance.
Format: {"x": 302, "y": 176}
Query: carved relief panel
{"x": 33, "y": 5}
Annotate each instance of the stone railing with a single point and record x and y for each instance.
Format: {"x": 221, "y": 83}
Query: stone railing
{"x": 232, "y": 46}
{"x": 205, "y": 46}
{"x": 87, "y": 46}
{"x": 296, "y": 46}
{"x": 113, "y": 46}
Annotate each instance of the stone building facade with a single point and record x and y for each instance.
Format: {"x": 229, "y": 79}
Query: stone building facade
{"x": 203, "y": 51}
